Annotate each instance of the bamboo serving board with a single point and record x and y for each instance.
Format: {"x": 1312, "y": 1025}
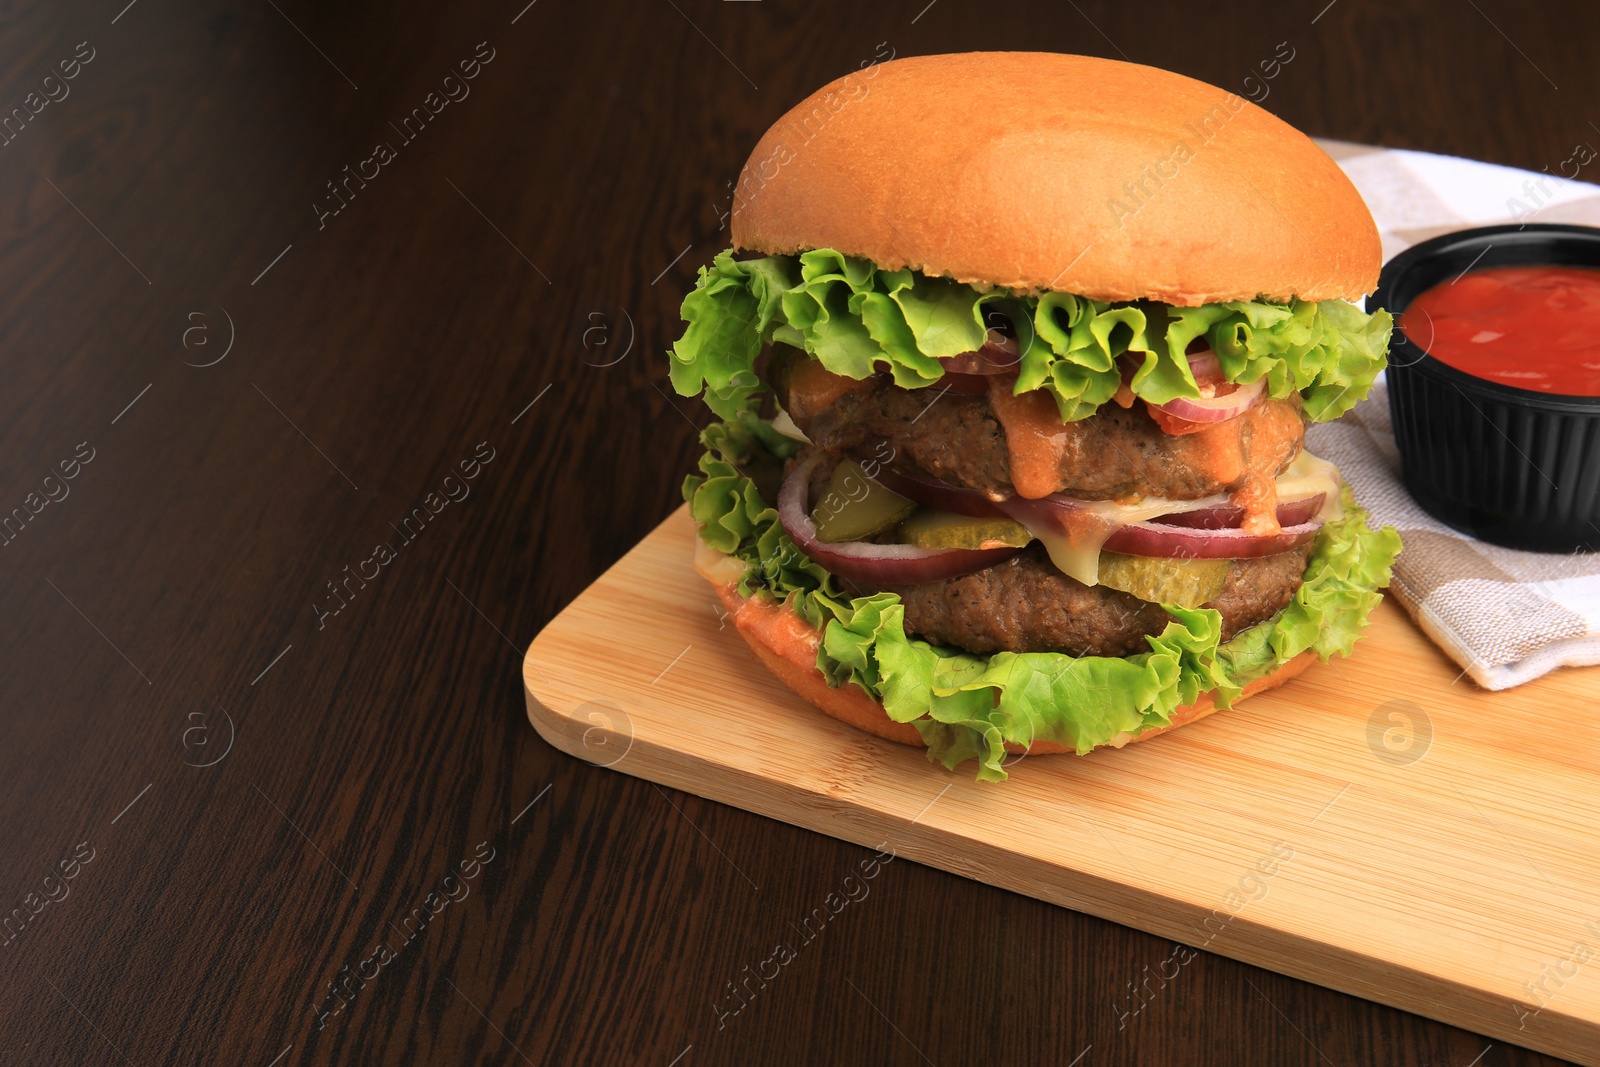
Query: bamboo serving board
{"x": 1377, "y": 826}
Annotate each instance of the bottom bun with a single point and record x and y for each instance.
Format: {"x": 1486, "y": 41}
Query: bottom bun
{"x": 788, "y": 645}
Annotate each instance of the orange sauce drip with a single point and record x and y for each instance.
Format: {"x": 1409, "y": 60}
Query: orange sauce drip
{"x": 1217, "y": 451}
{"x": 1272, "y": 440}
{"x": 1258, "y": 497}
{"x": 814, "y": 388}
{"x": 1035, "y": 436}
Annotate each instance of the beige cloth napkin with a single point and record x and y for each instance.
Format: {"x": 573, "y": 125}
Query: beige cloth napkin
{"x": 1506, "y": 616}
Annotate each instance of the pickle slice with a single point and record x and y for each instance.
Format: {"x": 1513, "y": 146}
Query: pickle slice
{"x": 856, "y": 507}
{"x": 941, "y": 529}
{"x": 1188, "y": 583}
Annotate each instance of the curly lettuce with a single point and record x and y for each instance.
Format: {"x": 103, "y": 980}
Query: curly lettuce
{"x": 857, "y": 319}
{"x": 968, "y": 707}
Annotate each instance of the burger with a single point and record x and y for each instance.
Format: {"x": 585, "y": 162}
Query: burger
{"x": 1012, "y": 360}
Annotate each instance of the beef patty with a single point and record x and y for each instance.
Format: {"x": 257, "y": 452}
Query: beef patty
{"x": 1026, "y": 605}
{"x": 1113, "y": 454}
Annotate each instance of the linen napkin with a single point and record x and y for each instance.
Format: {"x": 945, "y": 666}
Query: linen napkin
{"x": 1505, "y": 616}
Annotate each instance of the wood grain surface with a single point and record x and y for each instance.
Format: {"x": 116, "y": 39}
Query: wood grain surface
{"x": 255, "y": 783}
{"x": 1320, "y": 829}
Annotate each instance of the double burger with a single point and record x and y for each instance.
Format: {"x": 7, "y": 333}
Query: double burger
{"x": 1012, "y": 360}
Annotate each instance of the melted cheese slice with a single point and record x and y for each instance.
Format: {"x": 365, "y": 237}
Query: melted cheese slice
{"x": 1074, "y": 537}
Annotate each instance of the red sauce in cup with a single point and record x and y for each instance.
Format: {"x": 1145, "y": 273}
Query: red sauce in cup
{"x": 1532, "y": 328}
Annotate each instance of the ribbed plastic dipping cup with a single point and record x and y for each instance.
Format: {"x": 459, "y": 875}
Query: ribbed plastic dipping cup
{"x": 1510, "y": 466}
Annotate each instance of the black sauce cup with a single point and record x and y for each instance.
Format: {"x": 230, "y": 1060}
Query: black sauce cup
{"x": 1510, "y": 466}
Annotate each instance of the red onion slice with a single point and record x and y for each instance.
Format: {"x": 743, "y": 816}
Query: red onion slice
{"x": 863, "y": 561}
{"x": 1229, "y": 516}
{"x": 1203, "y": 363}
{"x": 1082, "y": 525}
{"x": 1208, "y": 515}
{"x": 1183, "y": 542}
{"x": 1215, "y": 409}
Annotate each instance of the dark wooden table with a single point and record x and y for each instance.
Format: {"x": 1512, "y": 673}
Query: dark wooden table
{"x": 303, "y": 814}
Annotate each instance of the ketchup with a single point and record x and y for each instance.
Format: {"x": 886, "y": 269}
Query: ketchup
{"x": 1532, "y": 328}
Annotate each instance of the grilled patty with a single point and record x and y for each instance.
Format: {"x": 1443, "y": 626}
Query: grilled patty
{"x": 1026, "y": 605}
{"x": 1113, "y": 454}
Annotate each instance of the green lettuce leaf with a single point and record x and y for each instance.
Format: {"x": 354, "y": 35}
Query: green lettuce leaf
{"x": 857, "y": 319}
{"x": 968, "y": 707}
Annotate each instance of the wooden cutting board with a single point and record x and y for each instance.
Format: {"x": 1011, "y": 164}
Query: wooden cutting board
{"x": 1379, "y": 826}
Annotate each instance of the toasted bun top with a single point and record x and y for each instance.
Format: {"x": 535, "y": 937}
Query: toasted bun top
{"x": 1036, "y": 171}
